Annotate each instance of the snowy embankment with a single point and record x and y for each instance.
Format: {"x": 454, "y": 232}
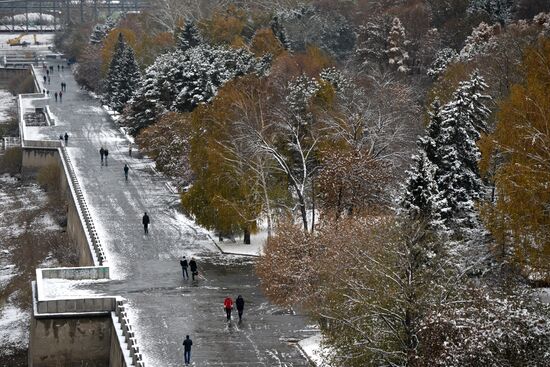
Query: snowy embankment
{"x": 22, "y": 216}
{"x": 314, "y": 351}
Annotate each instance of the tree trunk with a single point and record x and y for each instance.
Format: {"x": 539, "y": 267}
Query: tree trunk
{"x": 246, "y": 236}
{"x": 312, "y": 205}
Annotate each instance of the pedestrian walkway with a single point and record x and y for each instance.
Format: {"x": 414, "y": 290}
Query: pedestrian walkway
{"x": 146, "y": 268}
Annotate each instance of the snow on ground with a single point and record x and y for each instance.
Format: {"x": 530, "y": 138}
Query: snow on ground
{"x": 14, "y": 326}
{"x": 7, "y": 102}
{"x": 313, "y": 350}
{"x": 65, "y": 289}
{"x": 237, "y": 247}
{"x": 46, "y": 223}
{"x": 134, "y": 316}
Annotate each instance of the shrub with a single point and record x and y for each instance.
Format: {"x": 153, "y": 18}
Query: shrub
{"x": 10, "y": 162}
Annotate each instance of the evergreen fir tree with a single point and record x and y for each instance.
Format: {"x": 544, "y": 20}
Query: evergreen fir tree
{"x": 458, "y": 175}
{"x": 428, "y": 142}
{"x": 188, "y": 36}
{"x": 101, "y": 30}
{"x": 422, "y": 199}
{"x": 397, "y": 47}
{"x": 123, "y": 76}
{"x": 497, "y": 10}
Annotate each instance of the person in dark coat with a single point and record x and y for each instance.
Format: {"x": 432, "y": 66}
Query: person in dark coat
{"x": 45, "y": 78}
{"x": 183, "y": 263}
{"x": 60, "y": 96}
{"x": 105, "y": 153}
{"x": 66, "y": 138}
{"x": 187, "y": 343}
{"x": 126, "y": 169}
{"x": 102, "y": 154}
{"x": 146, "y": 222}
{"x": 240, "y": 306}
{"x": 228, "y": 307}
{"x": 193, "y": 267}
{"x": 55, "y": 96}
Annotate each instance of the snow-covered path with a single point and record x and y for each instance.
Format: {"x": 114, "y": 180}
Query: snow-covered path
{"x": 146, "y": 268}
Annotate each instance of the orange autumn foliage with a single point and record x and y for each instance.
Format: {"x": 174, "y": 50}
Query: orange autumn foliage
{"x": 520, "y": 217}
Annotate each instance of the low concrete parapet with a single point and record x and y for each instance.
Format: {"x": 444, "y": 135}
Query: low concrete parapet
{"x": 80, "y": 273}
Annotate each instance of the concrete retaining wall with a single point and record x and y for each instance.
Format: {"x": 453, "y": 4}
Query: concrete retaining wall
{"x": 70, "y": 341}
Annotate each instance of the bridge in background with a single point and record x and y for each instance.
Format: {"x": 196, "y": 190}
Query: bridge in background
{"x": 64, "y": 12}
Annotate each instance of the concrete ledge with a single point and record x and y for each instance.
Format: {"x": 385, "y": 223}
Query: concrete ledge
{"x": 80, "y": 273}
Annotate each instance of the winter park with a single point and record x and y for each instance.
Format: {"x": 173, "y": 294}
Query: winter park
{"x": 326, "y": 183}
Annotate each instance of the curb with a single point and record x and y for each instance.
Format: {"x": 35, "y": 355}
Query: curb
{"x": 226, "y": 252}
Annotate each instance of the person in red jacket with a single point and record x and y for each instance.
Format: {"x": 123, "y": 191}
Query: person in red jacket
{"x": 228, "y": 306}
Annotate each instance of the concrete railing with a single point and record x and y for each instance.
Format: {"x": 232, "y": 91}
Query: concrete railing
{"x": 83, "y": 208}
{"x": 35, "y": 79}
{"x": 128, "y": 334}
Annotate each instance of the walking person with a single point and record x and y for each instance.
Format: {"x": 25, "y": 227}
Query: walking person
{"x": 47, "y": 72}
{"x": 60, "y": 97}
{"x": 48, "y": 80}
{"x": 58, "y": 67}
{"x": 130, "y": 149}
{"x": 45, "y": 79}
{"x": 62, "y": 88}
{"x": 126, "y": 169}
{"x": 146, "y": 222}
{"x": 102, "y": 154}
{"x": 239, "y": 302}
{"x": 228, "y": 306}
{"x": 66, "y": 139}
{"x": 183, "y": 263}
{"x": 55, "y": 96}
{"x": 193, "y": 268}
{"x": 48, "y": 93}
{"x": 106, "y": 154}
{"x": 187, "y": 343}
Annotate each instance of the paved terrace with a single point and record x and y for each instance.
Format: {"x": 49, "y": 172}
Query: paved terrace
{"x": 145, "y": 269}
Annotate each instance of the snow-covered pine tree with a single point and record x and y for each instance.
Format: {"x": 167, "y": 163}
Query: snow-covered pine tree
{"x": 443, "y": 58}
{"x": 123, "y": 76}
{"x": 101, "y": 30}
{"x": 188, "y": 36}
{"x": 372, "y": 43}
{"x": 279, "y": 32}
{"x": 458, "y": 176}
{"x": 179, "y": 81}
{"x": 397, "y": 47}
{"x": 497, "y": 10}
{"x": 422, "y": 199}
{"x": 481, "y": 41}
